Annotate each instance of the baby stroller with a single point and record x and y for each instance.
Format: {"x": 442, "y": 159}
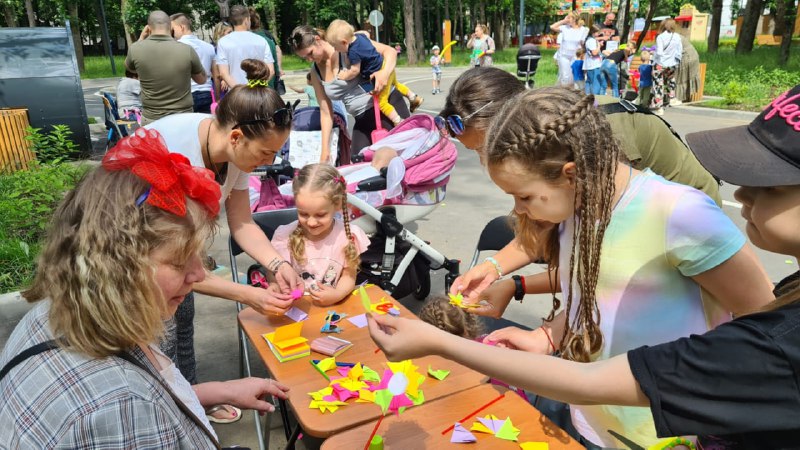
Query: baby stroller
{"x": 304, "y": 140}
{"x": 382, "y": 201}
{"x": 528, "y": 58}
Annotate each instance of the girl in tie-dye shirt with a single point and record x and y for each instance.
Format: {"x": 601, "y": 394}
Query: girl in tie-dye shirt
{"x": 637, "y": 258}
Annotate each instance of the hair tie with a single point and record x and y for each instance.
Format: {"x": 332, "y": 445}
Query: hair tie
{"x": 341, "y": 179}
{"x": 257, "y": 82}
{"x": 171, "y": 176}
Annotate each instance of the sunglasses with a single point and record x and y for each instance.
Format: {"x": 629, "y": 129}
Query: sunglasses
{"x": 455, "y": 122}
{"x": 281, "y": 118}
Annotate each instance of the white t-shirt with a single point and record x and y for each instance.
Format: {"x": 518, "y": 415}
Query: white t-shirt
{"x": 570, "y": 40}
{"x": 238, "y": 46}
{"x": 591, "y": 62}
{"x": 180, "y": 132}
{"x": 207, "y": 56}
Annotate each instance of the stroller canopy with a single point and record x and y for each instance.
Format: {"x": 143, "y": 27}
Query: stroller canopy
{"x": 528, "y": 60}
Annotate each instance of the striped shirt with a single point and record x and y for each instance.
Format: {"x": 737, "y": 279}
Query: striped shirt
{"x": 63, "y": 399}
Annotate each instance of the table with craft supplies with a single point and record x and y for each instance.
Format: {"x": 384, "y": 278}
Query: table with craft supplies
{"x": 302, "y": 378}
{"x": 431, "y": 425}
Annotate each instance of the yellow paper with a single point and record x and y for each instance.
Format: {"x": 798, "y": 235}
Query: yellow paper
{"x": 287, "y": 332}
{"x": 534, "y": 446}
{"x": 326, "y": 364}
{"x": 477, "y": 426}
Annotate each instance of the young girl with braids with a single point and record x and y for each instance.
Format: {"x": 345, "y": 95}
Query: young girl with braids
{"x": 639, "y": 259}
{"x": 323, "y": 248}
{"x": 438, "y": 312}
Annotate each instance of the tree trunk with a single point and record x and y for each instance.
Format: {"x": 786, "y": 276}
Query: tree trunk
{"x": 482, "y": 12}
{"x": 626, "y": 26}
{"x": 780, "y": 14}
{"x": 31, "y": 14}
{"x": 419, "y": 38}
{"x": 447, "y": 10}
{"x": 11, "y": 16}
{"x": 752, "y": 14}
{"x": 272, "y": 22}
{"x": 75, "y": 26}
{"x": 647, "y": 21}
{"x": 786, "y": 41}
{"x": 128, "y": 34}
{"x": 500, "y": 41}
{"x": 388, "y": 20}
{"x": 439, "y": 27}
{"x": 408, "y": 25}
{"x": 460, "y": 23}
{"x": 716, "y": 22}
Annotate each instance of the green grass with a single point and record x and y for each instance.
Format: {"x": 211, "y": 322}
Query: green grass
{"x": 100, "y": 67}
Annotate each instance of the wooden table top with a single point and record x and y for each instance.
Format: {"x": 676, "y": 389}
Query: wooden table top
{"x": 421, "y": 428}
{"x": 302, "y": 378}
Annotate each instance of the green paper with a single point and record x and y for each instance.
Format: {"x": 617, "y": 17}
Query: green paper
{"x": 382, "y": 399}
{"x": 320, "y": 371}
{"x": 438, "y": 374}
{"x": 418, "y": 400}
{"x": 365, "y": 301}
{"x": 370, "y": 375}
{"x": 507, "y": 431}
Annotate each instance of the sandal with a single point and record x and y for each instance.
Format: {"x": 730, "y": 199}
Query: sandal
{"x": 234, "y": 413}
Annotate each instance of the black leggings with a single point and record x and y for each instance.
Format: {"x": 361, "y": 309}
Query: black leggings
{"x": 365, "y": 122}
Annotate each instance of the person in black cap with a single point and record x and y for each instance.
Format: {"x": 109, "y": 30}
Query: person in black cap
{"x": 735, "y": 387}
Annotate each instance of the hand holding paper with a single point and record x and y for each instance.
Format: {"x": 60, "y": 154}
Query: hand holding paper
{"x": 402, "y": 338}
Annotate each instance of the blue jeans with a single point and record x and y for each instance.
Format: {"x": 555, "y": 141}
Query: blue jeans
{"x": 609, "y": 73}
{"x": 202, "y": 101}
{"x": 592, "y": 76}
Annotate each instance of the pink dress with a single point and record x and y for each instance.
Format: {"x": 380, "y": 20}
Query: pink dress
{"x": 325, "y": 259}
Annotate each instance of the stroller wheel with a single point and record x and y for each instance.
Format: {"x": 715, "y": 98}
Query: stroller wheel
{"x": 424, "y": 288}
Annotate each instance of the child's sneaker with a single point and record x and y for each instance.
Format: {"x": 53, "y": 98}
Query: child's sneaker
{"x": 416, "y": 103}
{"x": 433, "y": 92}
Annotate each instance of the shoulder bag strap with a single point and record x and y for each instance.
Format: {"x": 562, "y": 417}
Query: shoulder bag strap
{"x": 27, "y": 353}
{"x": 376, "y": 107}
{"x": 178, "y": 402}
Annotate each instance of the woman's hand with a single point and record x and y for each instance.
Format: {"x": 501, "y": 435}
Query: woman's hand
{"x": 287, "y": 278}
{"x": 475, "y": 281}
{"x": 400, "y": 338}
{"x": 494, "y": 299}
{"x": 268, "y": 301}
{"x": 223, "y": 86}
{"x": 250, "y": 393}
{"x": 518, "y": 339}
{"x": 325, "y": 295}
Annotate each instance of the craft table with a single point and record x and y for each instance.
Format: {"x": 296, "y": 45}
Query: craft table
{"x": 302, "y": 378}
{"x": 421, "y": 427}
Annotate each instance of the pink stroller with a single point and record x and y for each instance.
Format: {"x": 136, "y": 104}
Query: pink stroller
{"x": 382, "y": 200}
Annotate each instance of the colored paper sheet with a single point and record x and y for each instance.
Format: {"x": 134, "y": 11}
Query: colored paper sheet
{"x": 326, "y": 364}
{"x": 382, "y": 399}
{"x": 481, "y": 428}
{"x": 507, "y": 431}
{"x": 461, "y": 435}
{"x": 438, "y": 374}
{"x": 288, "y": 332}
{"x": 360, "y": 320}
{"x": 534, "y": 446}
{"x": 343, "y": 394}
{"x": 370, "y": 375}
{"x": 297, "y": 293}
{"x": 366, "y": 396}
{"x": 365, "y": 301}
{"x": 296, "y": 314}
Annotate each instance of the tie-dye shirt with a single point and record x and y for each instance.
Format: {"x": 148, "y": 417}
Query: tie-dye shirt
{"x": 661, "y": 234}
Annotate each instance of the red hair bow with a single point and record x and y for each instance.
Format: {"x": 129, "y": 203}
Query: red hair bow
{"x": 171, "y": 175}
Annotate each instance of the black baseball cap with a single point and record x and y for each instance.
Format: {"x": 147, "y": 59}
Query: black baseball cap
{"x": 764, "y": 153}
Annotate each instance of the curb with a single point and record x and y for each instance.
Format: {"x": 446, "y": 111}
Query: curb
{"x": 746, "y": 116}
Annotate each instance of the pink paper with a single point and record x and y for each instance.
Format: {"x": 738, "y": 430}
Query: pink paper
{"x": 399, "y": 401}
{"x": 360, "y": 320}
{"x": 343, "y": 394}
{"x": 493, "y": 425}
{"x": 387, "y": 375}
{"x": 296, "y": 314}
{"x": 343, "y": 371}
{"x": 461, "y": 435}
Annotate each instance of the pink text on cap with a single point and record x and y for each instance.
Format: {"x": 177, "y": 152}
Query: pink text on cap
{"x": 786, "y": 107}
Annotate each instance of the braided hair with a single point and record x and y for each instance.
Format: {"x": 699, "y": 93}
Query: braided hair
{"x": 326, "y": 179}
{"x": 542, "y": 130}
{"x": 438, "y": 312}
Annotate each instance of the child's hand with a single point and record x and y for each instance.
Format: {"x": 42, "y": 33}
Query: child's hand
{"x": 519, "y": 339}
{"x": 400, "y": 338}
{"x": 325, "y": 295}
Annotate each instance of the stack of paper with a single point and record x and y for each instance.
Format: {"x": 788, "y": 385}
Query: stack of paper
{"x": 287, "y": 343}
{"x": 330, "y": 345}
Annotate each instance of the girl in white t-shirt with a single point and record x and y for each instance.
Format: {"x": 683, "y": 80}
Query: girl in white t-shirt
{"x": 324, "y": 249}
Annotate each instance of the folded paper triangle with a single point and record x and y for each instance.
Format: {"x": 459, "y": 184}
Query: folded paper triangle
{"x": 461, "y": 435}
{"x": 534, "y": 446}
{"x": 507, "y": 431}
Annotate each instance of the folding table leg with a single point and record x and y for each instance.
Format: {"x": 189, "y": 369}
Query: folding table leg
{"x": 287, "y": 427}
{"x": 293, "y": 438}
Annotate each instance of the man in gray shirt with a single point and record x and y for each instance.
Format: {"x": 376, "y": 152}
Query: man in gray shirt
{"x": 165, "y": 68}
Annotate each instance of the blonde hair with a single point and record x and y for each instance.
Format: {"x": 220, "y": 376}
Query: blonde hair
{"x": 542, "y": 130}
{"x": 219, "y": 29}
{"x": 438, "y": 312}
{"x": 576, "y": 16}
{"x": 96, "y": 266}
{"x": 667, "y": 25}
{"x": 645, "y": 55}
{"x": 325, "y": 179}
{"x": 484, "y": 28}
{"x": 339, "y": 30}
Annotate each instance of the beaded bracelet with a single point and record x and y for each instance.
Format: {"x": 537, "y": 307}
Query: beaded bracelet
{"x": 275, "y": 264}
{"x": 496, "y": 266}
{"x": 678, "y": 441}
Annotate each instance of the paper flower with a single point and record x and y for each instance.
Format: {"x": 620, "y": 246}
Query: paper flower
{"x": 458, "y": 300}
{"x": 399, "y": 387}
{"x": 325, "y": 400}
{"x": 352, "y": 380}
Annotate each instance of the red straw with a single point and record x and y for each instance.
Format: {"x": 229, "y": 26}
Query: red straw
{"x": 374, "y": 430}
{"x": 450, "y": 428}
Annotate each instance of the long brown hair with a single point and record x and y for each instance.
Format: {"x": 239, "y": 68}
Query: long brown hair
{"x": 246, "y": 103}
{"x": 326, "y": 179}
{"x": 542, "y": 130}
{"x": 480, "y": 87}
{"x": 304, "y": 36}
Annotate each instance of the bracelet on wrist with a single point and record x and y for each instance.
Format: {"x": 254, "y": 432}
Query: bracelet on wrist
{"x": 275, "y": 264}
{"x": 496, "y": 265}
